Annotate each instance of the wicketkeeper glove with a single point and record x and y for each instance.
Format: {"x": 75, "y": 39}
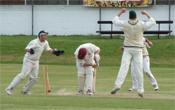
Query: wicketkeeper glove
{"x": 31, "y": 51}
{"x": 58, "y": 52}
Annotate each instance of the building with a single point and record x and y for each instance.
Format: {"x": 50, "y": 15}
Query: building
{"x": 70, "y": 17}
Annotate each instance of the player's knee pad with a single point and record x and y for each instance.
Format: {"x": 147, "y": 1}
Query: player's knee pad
{"x": 81, "y": 72}
{"x": 146, "y": 70}
{"x": 22, "y": 76}
{"x": 36, "y": 79}
{"x": 89, "y": 70}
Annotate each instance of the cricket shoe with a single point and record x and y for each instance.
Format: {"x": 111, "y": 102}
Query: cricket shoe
{"x": 115, "y": 89}
{"x": 26, "y": 93}
{"x": 155, "y": 87}
{"x": 80, "y": 92}
{"x": 141, "y": 95}
{"x": 8, "y": 91}
{"x": 132, "y": 89}
{"x": 89, "y": 92}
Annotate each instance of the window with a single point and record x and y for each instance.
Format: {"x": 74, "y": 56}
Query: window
{"x": 165, "y": 2}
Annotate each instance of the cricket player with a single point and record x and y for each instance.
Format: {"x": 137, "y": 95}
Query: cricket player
{"x": 31, "y": 62}
{"x": 146, "y": 67}
{"x": 87, "y": 56}
{"x": 133, "y": 44}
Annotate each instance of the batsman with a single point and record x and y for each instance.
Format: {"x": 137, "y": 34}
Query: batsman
{"x": 87, "y": 57}
{"x": 31, "y": 62}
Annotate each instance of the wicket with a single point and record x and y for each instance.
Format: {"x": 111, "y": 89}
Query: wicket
{"x": 46, "y": 85}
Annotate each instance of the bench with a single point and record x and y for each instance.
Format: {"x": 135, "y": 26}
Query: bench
{"x": 145, "y": 32}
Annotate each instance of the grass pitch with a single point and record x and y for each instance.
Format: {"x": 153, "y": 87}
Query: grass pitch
{"x": 63, "y": 82}
{"x": 63, "y": 76}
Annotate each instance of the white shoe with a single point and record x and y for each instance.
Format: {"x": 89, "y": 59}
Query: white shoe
{"x": 28, "y": 93}
{"x": 131, "y": 89}
{"x": 156, "y": 87}
{"x": 8, "y": 91}
{"x": 80, "y": 92}
{"x": 89, "y": 92}
{"x": 115, "y": 89}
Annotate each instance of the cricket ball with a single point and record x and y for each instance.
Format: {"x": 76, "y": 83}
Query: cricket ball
{"x": 49, "y": 90}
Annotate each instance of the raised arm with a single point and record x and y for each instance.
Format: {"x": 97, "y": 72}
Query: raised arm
{"x": 147, "y": 25}
{"x": 145, "y": 13}
{"x": 123, "y": 10}
{"x": 117, "y": 22}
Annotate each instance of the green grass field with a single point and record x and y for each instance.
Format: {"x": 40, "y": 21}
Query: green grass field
{"x": 63, "y": 82}
{"x": 12, "y": 49}
{"x": 63, "y": 76}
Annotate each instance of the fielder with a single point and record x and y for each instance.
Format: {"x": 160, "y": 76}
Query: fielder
{"x": 31, "y": 62}
{"x": 86, "y": 57}
{"x": 146, "y": 68}
{"x": 133, "y": 44}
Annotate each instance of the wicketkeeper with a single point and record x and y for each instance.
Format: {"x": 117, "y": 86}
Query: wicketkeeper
{"x": 87, "y": 56}
{"x": 31, "y": 62}
{"x": 133, "y": 43}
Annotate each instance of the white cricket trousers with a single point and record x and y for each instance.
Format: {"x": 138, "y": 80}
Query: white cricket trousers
{"x": 134, "y": 54}
{"x": 146, "y": 68}
{"x": 30, "y": 68}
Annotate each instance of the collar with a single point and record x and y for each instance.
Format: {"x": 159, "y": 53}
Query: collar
{"x": 39, "y": 41}
{"x": 133, "y": 22}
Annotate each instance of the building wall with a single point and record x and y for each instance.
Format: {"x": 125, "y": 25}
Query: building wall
{"x": 70, "y": 20}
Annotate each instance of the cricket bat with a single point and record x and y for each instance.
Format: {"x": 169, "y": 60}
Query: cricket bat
{"x": 94, "y": 79}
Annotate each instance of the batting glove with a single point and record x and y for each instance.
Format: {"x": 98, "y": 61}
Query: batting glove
{"x": 94, "y": 64}
{"x": 31, "y": 51}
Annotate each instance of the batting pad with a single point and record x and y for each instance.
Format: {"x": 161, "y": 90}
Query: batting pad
{"x": 29, "y": 85}
{"x": 89, "y": 77}
{"x": 81, "y": 83}
{"x": 17, "y": 80}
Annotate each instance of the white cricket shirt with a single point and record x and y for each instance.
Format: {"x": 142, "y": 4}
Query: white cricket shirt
{"x": 145, "y": 51}
{"x": 143, "y": 26}
{"x": 89, "y": 58}
{"x": 38, "y": 47}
